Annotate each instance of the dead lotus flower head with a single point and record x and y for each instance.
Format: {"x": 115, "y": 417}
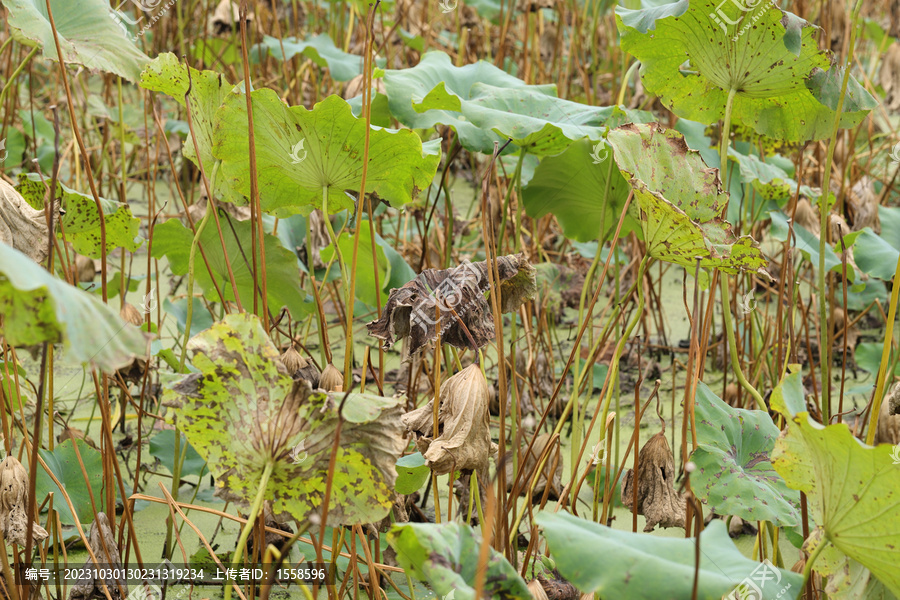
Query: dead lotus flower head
{"x": 451, "y": 303}
{"x": 130, "y": 314}
{"x": 464, "y": 440}
{"x": 657, "y": 499}
{"x": 332, "y": 380}
{"x": 300, "y": 367}
{"x": 14, "y": 503}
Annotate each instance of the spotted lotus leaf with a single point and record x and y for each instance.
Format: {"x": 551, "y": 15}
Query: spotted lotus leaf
{"x": 852, "y": 490}
{"x": 242, "y": 411}
{"x": 425, "y": 306}
{"x": 694, "y": 53}
{"x": 734, "y": 474}
{"x": 442, "y": 555}
{"x": 679, "y": 201}
{"x": 208, "y": 89}
{"x": 81, "y": 220}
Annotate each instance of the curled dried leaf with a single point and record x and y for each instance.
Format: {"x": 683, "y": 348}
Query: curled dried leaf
{"x": 21, "y": 226}
{"x": 657, "y": 499}
{"x": 451, "y": 302}
{"x": 14, "y": 504}
{"x": 464, "y": 440}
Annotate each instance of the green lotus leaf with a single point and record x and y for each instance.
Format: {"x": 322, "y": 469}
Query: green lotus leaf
{"x": 304, "y": 155}
{"x": 412, "y": 473}
{"x": 784, "y": 87}
{"x": 365, "y": 265}
{"x": 445, "y": 556}
{"x": 877, "y": 254}
{"x": 318, "y": 48}
{"x": 90, "y": 34}
{"x": 637, "y": 566}
{"x": 734, "y": 474}
{"x": 162, "y": 448}
{"x": 81, "y": 223}
{"x": 65, "y": 464}
{"x": 173, "y": 240}
{"x": 769, "y": 180}
{"x": 581, "y": 187}
{"x": 208, "y": 90}
{"x": 38, "y": 307}
{"x": 485, "y": 105}
{"x": 242, "y": 412}
{"x": 679, "y": 201}
{"x": 847, "y": 579}
{"x": 853, "y": 490}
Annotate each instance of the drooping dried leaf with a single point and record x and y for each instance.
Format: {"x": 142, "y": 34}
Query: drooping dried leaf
{"x": 424, "y": 307}
{"x": 862, "y": 205}
{"x": 21, "y": 226}
{"x": 657, "y": 499}
{"x": 242, "y": 410}
{"x": 464, "y": 442}
{"x": 14, "y": 504}
{"x": 528, "y": 463}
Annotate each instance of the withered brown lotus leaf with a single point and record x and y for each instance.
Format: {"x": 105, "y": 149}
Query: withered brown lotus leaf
{"x": 14, "y": 503}
{"x": 426, "y": 305}
{"x": 21, "y": 226}
{"x": 464, "y": 440}
{"x": 103, "y": 545}
{"x": 657, "y": 499}
{"x": 530, "y": 462}
{"x": 555, "y": 588}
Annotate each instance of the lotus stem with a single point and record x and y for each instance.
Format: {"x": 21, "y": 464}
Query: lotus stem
{"x": 807, "y": 568}
{"x": 885, "y": 359}
{"x": 190, "y": 289}
{"x": 726, "y": 135}
{"x": 824, "y": 332}
{"x": 732, "y": 345}
{"x": 251, "y": 519}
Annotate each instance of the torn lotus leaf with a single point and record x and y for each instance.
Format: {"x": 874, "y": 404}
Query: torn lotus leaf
{"x": 451, "y": 302}
{"x": 14, "y": 504}
{"x": 464, "y": 440}
{"x": 657, "y": 499}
